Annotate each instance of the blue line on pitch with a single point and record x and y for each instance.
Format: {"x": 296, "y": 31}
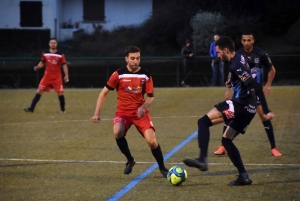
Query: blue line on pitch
{"x": 135, "y": 181}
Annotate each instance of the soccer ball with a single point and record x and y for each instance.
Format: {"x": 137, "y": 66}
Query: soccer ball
{"x": 177, "y": 175}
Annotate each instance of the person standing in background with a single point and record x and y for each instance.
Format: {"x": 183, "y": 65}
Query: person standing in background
{"x": 53, "y": 60}
{"x": 188, "y": 54}
{"x": 217, "y": 64}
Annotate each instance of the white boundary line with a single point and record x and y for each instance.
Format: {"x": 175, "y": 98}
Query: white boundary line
{"x": 110, "y": 119}
{"x": 103, "y": 161}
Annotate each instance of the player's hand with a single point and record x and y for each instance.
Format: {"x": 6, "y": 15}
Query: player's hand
{"x": 270, "y": 115}
{"x": 141, "y": 111}
{"x": 228, "y": 83}
{"x": 267, "y": 90}
{"x": 66, "y": 79}
{"x": 96, "y": 119}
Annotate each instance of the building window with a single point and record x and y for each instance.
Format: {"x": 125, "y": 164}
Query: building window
{"x": 93, "y": 11}
{"x": 31, "y": 14}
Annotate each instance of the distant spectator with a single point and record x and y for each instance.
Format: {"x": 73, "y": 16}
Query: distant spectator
{"x": 188, "y": 54}
{"x": 216, "y": 64}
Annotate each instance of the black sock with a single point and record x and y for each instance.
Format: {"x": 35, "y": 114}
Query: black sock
{"x": 62, "y": 102}
{"x": 157, "y": 153}
{"x": 123, "y": 146}
{"x": 203, "y": 136}
{"x": 34, "y": 101}
{"x": 270, "y": 132}
{"x": 234, "y": 155}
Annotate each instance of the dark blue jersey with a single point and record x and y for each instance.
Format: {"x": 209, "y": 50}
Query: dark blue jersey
{"x": 240, "y": 77}
{"x": 257, "y": 59}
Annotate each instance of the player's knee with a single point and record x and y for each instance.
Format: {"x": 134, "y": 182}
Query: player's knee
{"x": 152, "y": 144}
{"x": 204, "y": 121}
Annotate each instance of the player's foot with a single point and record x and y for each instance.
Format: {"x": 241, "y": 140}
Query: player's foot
{"x": 28, "y": 109}
{"x": 220, "y": 151}
{"x": 129, "y": 166}
{"x": 275, "y": 152}
{"x": 164, "y": 172}
{"x": 63, "y": 112}
{"x": 196, "y": 163}
{"x": 243, "y": 179}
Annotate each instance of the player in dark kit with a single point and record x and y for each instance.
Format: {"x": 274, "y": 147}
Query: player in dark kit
{"x": 257, "y": 59}
{"x": 237, "y": 113}
{"x": 132, "y": 83}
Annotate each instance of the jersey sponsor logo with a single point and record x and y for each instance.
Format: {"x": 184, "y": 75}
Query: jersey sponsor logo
{"x": 143, "y": 81}
{"x": 244, "y": 76}
{"x": 239, "y": 69}
{"x": 124, "y": 80}
{"x": 251, "y": 109}
{"x": 133, "y": 89}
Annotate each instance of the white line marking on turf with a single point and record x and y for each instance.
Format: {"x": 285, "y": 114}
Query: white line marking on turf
{"x": 110, "y": 119}
{"x": 105, "y": 119}
{"x": 142, "y": 162}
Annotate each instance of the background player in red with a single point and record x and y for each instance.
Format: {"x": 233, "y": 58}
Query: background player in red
{"x": 131, "y": 83}
{"x": 53, "y": 59}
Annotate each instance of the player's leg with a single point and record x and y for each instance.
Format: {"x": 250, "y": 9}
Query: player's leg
{"x": 269, "y": 130}
{"x": 59, "y": 89}
{"x": 43, "y": 86}
{"x": 235, "y": 157}
{"x": 62, "y": 103}
{"x": 221, "y": 74}
{"x": 145, "y": 126}
{"x": 213, "y": 117}
{"x": 120, "y": 128}
{"x": 214, "y": 72}
{"x": 150, "y": 138}
{"x": 221, "y": 150}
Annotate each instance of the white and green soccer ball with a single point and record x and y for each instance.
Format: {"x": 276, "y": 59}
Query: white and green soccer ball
{"x": 177, "y": 175}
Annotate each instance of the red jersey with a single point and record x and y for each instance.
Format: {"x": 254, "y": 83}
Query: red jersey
{"x": 131, "y": 87}
{"x": 53, "y": 62}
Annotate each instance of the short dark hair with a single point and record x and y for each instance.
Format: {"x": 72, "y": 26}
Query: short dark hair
{"x": 53, "y": 39}
{"x": 225, "y": 42}
{"x": 248, "y": 33}
{"x": 187, "y": 41}
{"x": 131, "y": 49}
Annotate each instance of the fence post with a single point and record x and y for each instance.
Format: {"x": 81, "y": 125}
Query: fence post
{"x": 177, "y": 74}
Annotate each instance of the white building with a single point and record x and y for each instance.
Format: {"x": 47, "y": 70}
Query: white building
{"x": 64, "y": 17}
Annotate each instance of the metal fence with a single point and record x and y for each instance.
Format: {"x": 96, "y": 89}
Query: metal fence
{"x": 93, "y": 72}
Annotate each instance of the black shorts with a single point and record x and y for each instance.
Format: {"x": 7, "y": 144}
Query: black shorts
{"x": 236, "y": 115}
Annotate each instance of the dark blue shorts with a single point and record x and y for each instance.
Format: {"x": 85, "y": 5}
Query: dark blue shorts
{"x": 236, "y": 115}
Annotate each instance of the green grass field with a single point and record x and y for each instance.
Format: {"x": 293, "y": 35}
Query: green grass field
{"x": 46, "y": 155}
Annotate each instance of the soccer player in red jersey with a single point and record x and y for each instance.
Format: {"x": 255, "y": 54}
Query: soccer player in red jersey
{"x": 131, "y": 83}
{"x": 53, "y": 59}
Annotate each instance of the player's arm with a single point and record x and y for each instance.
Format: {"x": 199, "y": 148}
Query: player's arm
{"x": 66, "y": 72}
{"x": 39, "y": 66}
{"x": 271, "y": 76}
{"x": 100, "y": 102}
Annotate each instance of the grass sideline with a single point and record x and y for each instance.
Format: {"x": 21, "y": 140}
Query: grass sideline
{"x": 51, "y": 156}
